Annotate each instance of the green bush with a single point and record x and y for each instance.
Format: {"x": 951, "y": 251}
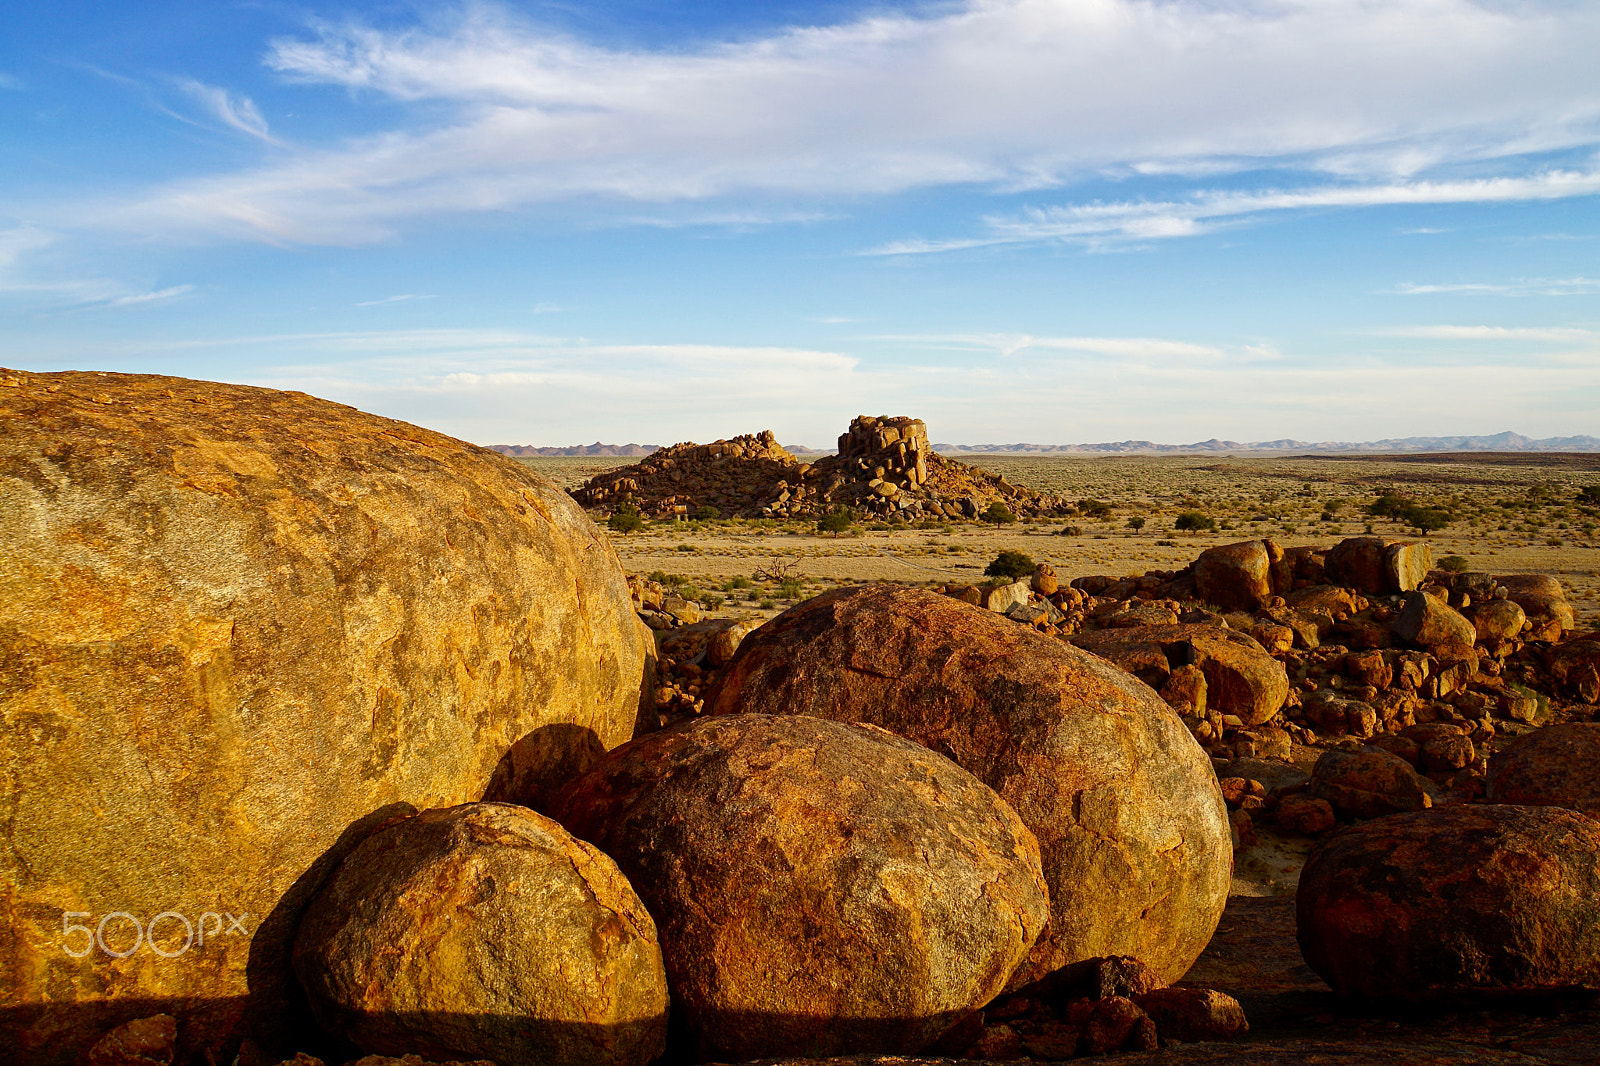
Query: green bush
{"x": 767, "y": 605}
{"x": 712, "y": 601}
{"x": 791, "y": 588}
{"x": 734, "y": 584}
{"x": 1094, "y": 508}
{"x": 834, "y": 522}
{"x": 1136, "y": 523}
{"x": 1454, "y": 564}
{"x": 1424, "y": 519}
{"x": 707, "y": 513}
{"x": 1009, "y": 564}
{"x": 686, "y": 547}
{"x": 1194, "y": 522}
{"x": 1389, "y": 505}
{"x": 625, "y": 519}
{"x": 999, "y": 514}
{"x": 1069, "y": 531}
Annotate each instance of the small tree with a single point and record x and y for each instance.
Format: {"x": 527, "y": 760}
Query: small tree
{"x": 1136, "y": 523}
{"x": 1424, "y": 519}
{"x": 708, "y": 513}
{"x": 1009, "y": 564}
{"x": 1389, "y": 505}
{"x": 1194, "y": 522}
{"x": 999, "y": 514}
{"x": 834, "y": 522}
{"x": 1094, "y": 508}
{"x": 625, "y": 519}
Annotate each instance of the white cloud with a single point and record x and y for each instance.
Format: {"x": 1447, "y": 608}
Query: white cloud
{"x": 401, "y": 298}
{"x": 137, "y": 298}
{"x": 1015, "y": 94}
{"x": 1143, "y": 220}
{"x": 1497, "y": 333}
{"x": 9, "y": 81}
{"x": 1523, "y": 287}
{"x": 238, "y": 112}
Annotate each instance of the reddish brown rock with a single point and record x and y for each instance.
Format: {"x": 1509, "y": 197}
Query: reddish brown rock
{"x": 821, "y": 888}
{"x": 239, "y": 621}
{"x": 485, "y": 930}
{"x": 1442, "y": 746}
{"x": 1431, "y": 622}
{"x": 1375, "y": 566}
{"x": 1241, "y": 678}
{"x": 1463, "y": 899}
{"x": 1369, "y": 668}
{"x": 141, "y": 1042}
{"x": 1575, "y": 666}
{"x": 1337, "y": 603}
{"x": 1121, "y": 797}
{"x": 1368, "y": 783}
{"x": 1542, "y": 598}
{"x": 1557, "y": 766}
{"x": 1334, "y": 715}
{"x": 1185, "y": 691}
{"x": 1234, "y": 577}
{"x": 1496, "y": 619}
{"x": 1303, "y": 814}
{"x": 1117, "y": 1024}
{"x": 1194, "y": 1014}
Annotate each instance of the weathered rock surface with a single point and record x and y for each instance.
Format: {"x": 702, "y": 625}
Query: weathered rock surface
{"x": 1241, "y": 677}
{"x": 820, "y": 887}
{"x": 1430, "y": 622}
{"x": 1193, "y": 1014}
{"x": 1556, "y": 766}
{"x": 1497, "y": 619}
{"x": 485, "y": 930}
{"x": 1463, "y": 899}
{"x": 1369, "y": 783}
{"x": 1575, "y": 667}
{"x": 1375, "y": 565}
{"x": 1544, "y": 601}
{"x": 233, "y": 623}
{"x": 142, "y": 1042}
{"x": 1124, "y": 803}
{"x": 1235, "y": 577}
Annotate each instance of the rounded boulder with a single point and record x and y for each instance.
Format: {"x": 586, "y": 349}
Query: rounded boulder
{"x": 1455, "y": 901}
{"x": 485, "y": 930}
{"x": 238, "y": 622}
{"x": 1557, "y": 766}
{"x": 821, "y": 888}
{"x": 1127, "y": 810}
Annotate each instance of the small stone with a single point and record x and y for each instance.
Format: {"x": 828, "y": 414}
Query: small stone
{"x": 1194, "y": 1014}
{"x": 1116, "y": 1024}
{"x": 1303, "y": 814}
{"x": 141, "y": 1042}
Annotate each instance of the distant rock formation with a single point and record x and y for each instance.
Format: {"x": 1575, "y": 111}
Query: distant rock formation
{"x": 884, "y": 467}
{"x": 526, "y": 451}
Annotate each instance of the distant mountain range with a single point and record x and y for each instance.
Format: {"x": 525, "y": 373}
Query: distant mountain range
{"x": 1498, "y": 442}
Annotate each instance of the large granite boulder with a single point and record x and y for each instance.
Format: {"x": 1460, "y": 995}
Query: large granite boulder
{"x": 1575, "y": 667}
{"x": 1128, "y": 813}
{"x": 1236, "y": 577}
{"x": 1431, "y": 622}
{"x": 1375, "y": 565}
{"x": 1557, "y": 766}
{"x": 821, "y": 888}
{"x": 1242, "y": 677}
{"x": 1459, "y": 900}
{"x": 235, "y": 623}
{"x": 1543, "y": 600}
{"x": 485, "y": 930}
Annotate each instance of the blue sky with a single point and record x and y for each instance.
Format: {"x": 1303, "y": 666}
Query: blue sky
{"x": 1052, "y": 221}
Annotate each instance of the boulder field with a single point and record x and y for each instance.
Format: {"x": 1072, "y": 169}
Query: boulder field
{"x": 1127, "y": 811}
{"x": 238, "y": 626}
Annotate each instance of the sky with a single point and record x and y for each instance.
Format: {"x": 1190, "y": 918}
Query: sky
{"x": 1044, "y": 221}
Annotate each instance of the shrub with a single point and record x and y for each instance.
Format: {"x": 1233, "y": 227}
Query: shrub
{"x": 1194, "y": 522}
{"x": 1424, "y": 519}
{"x": 686, "y": 547}
{"x": 767, "y": 605}
{"x": 998, "y": 514}
{"x": 734, "y": 584}
{"x": 1589, "y": 494}
{"x": 834, "y": 522}
{"x": 625, "y": 519}
{"x": 791, "y": 588}
{"x": 1009, "y": 564}
{"x": 1069, "y": 531}
{"x": 1454, "y": 564}
{"x": 1136, "y": 523}
{"x": 707, "y": 513}
{"x": 1389, "y": 505}
{"x": 712, "y": 601}
{"x": 1094, "y": 508}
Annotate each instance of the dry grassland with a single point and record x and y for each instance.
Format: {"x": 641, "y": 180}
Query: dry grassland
{"x": 1510, "y": 514}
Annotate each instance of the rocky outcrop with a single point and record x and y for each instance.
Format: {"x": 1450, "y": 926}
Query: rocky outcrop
{"x": 1125, "y": 806}
{"x": 485, "y": 930}
{"x": 1464, "y": 899}
{"x": 1557, "y": 766}
{"x": 821, "y": 888}
{"x": 234, "y": 623}
{"x": 884, "y": 467}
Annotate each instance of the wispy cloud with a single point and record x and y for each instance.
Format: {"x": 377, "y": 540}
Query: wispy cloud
{"x": 1522, "y": 287}
{"x": 1011, "y": 94}
{"x": 1143, "y": 220}
{"x": 1497, "y": 333}
{"x": 1008, "y": 344}
{"x": 138, "y": 298}
{"x": 401, "y": 298}
{"x": 9, "y": 81}
{"x": 237, "y": 112}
